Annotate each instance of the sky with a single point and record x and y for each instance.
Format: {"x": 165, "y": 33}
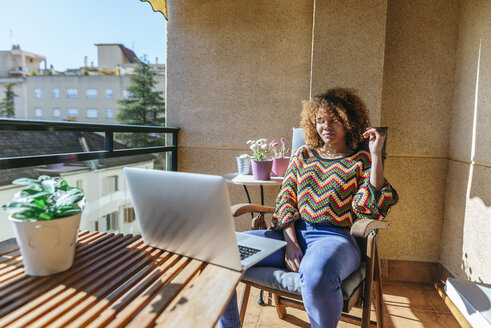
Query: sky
{"x": 65, "y": 31}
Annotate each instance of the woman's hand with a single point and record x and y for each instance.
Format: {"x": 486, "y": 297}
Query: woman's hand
{"x": 293, "y": 256}
{"x": 376, "y": 139}
{"x": 293, "y": 253}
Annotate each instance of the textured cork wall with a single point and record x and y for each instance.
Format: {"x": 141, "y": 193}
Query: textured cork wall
{"x": 417, "y": 107}
{"x": 349, "y": 43}
{"x": 238, "y": 70}
{"x": 466, "y": 233}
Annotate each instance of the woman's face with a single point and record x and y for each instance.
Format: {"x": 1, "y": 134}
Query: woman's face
{"x": 331, "y": 131}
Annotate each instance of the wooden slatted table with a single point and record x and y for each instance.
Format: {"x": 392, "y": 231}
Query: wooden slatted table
{"x": 116, "y": 280}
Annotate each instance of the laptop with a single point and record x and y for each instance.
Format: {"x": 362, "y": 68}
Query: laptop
{"x": 189, "y": 214}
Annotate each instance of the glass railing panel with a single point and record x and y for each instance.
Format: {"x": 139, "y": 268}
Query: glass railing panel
{"x": 57, "y": 149}
{"x": 108, "y": 205}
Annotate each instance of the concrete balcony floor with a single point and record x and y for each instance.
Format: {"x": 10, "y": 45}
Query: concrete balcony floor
{"x": 406, "y": 305}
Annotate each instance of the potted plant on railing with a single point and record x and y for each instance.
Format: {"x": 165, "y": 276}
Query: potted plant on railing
{"x": 46, "y": 216}
{"x": 261, "y": 163}
{"x": 280, "y": 161}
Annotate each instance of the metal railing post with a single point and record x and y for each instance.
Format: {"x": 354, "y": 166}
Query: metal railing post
{"x": 109, "y": 141}
{"x": 173, "y": 154}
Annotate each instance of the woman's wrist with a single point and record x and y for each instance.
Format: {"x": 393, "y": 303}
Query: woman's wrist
{"x": 289, "y": 235}
{"x": 376, "y": 155}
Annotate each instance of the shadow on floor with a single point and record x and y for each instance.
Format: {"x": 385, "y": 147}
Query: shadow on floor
{"x": 406, "y": 305}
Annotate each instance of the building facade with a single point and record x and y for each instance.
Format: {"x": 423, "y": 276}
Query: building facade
{"x": 84, "y": 98}
{"x": 19, "y": 63}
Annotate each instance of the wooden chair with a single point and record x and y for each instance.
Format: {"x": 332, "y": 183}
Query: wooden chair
{"x": 359, "y": 290}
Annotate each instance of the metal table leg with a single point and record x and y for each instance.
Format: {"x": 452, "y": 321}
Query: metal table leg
{"x": 260, "y": 301}
{"x": 248, "y": 199}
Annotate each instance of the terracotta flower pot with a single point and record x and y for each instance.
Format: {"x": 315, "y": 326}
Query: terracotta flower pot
{"x": 47, "y": 247}
{"x": 262, "y": 170}
{"x": 280, "y": 165}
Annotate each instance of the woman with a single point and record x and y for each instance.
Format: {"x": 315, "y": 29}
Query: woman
{"x": 328, "y": 185}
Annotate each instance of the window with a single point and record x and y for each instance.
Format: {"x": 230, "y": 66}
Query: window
{"x": 72, "y": 112}
{"x": 56, "y": 112}
{"x": 109, "y": 113}
{"x": 38, "y": 93}
{"x": 56, "y": 93}
{"x": 92, "y": 113}
{"x": 72, "y": 93}
{"x": 92, "y": 93}
{"x": 110, "y": 184}
{"x": 109, "y": 93}
{"x": 38, "y": 112}
{"x": 96, "y": 226}
{"x": 127, "y": 94}
{"x": 112, "y": 221}
{"x": 129, "y": 215}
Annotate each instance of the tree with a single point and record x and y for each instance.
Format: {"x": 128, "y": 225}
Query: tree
{"x": 7, "y": 108}
{"x": 144, "y": 106}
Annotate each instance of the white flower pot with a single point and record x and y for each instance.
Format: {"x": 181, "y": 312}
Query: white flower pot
{"x": 47, "y": 247}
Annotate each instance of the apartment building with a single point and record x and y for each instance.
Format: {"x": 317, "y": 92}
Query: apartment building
{"x": 87, "y": 94}
{"x": 19, "y": 63}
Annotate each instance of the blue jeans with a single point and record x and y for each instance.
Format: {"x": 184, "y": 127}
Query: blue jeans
{"x": 330, "y": 256}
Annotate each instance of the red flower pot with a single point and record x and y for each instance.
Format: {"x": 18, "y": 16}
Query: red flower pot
{"x": 280, "y": 165}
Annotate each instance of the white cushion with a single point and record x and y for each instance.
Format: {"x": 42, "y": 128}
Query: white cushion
{"x": 297, "y": 140}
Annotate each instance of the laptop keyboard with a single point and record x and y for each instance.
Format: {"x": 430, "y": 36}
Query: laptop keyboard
{"x": 245, "y": 251}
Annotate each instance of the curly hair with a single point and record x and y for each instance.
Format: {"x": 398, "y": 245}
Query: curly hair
{"x": 345, "y": 106}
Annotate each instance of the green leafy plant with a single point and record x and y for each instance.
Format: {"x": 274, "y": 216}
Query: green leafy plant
{"x": 45, "y": 199}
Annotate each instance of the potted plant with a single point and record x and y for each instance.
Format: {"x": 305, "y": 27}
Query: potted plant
{"x": 46, "y": 216}
{"x": 244, "y": 164}
{"x": 280, "y": 161}
{"x": 261, "y": 164}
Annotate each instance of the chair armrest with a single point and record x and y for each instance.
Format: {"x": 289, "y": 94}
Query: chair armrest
{"x": 363, "y": 227}
{"x": 240, "y": 209}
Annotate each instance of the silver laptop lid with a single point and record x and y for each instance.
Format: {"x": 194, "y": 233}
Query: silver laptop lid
{"x": 185, "y": 213}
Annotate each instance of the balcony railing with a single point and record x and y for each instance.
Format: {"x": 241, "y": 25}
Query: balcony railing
{"x": 108, "y": 152}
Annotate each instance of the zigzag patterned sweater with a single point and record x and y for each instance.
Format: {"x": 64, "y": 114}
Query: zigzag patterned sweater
{"x": 336, "y": 191}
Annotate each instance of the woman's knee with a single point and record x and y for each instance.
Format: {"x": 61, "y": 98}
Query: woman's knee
{"x": 317, "y": 274}
{"x": 326, "y": 263}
